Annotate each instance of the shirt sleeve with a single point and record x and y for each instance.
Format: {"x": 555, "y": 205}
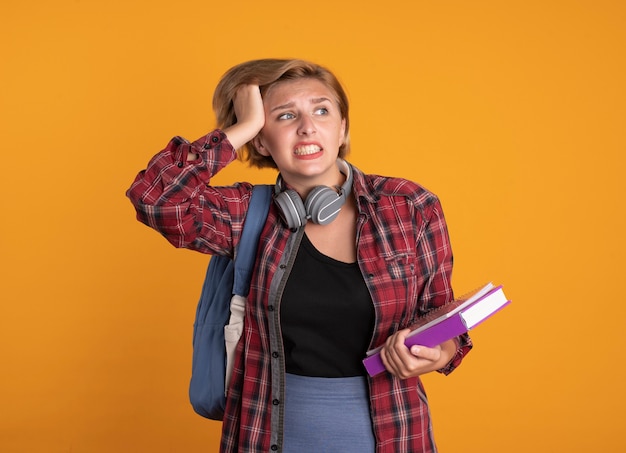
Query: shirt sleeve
{"x": 173, "y": 195}
{"x": 436, "y": 248}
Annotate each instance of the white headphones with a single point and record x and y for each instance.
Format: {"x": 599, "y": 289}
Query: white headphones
{"x": 322, "y": 204}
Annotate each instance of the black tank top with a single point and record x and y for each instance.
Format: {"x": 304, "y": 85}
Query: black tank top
{"x": 327, "y": 316}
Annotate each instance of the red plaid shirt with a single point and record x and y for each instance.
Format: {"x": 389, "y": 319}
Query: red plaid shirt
{"x": 403, "y": 252}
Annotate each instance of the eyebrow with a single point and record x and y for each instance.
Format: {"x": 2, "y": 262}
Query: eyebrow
{"x": 291, "y": 104}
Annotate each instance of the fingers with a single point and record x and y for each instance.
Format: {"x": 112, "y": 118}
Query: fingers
{"x": 396, "y": 356}
{"x": 248, "y": 105}
{"x": 404, "y": 362}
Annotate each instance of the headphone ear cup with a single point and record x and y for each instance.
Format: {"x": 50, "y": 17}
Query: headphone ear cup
{"x": 323, "y": 205}
{"x": 291, "y": 208}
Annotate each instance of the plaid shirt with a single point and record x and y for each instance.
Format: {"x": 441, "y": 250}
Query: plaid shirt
{"x": 403, "y": 252}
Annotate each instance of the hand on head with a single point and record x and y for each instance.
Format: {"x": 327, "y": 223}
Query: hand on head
{"x": 248, "y": 105}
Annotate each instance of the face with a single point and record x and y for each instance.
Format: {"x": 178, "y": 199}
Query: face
{"x": 303, "y": 132}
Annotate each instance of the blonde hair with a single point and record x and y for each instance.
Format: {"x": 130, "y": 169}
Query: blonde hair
{"x": 266, "y": 73}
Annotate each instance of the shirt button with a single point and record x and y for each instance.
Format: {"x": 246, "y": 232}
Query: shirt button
{"x": 179, "y": 165}
{"x": 275, "y": 354}
{"x": 270, "y": 308}
{"x": 275, "y": 402}
{"x": 215, "y": 139}
{"x": 274, "y": 447}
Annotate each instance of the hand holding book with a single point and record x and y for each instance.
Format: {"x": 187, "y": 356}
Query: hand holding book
{"x": 447, "y": 322}
{"x": 404, "y": 362}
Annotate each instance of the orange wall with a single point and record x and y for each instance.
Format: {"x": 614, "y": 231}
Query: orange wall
{"x": 513, "y": 112}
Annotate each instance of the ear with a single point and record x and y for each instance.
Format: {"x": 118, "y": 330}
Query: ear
{"x": 258, "y": 144}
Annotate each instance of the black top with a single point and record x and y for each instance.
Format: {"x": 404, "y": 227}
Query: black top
{"x": 327, "y": 316}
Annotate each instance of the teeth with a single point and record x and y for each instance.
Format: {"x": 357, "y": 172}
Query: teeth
{"x": 308, "y": 149}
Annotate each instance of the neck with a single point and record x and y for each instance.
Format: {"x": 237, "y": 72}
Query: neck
{"x": 304, "y": 185}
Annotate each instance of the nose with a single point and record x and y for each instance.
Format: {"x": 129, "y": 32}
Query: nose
{"x": 306, "y": 126}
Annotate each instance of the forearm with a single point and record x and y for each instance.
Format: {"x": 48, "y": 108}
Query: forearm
{"x": 171, "y": 194}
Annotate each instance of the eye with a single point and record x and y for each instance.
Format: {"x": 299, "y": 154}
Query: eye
{"x": 286, "y": 116}
{"x": 321, "y": 111}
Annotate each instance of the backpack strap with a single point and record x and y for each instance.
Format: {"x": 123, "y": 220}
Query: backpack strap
{"x": 245, "y": 254}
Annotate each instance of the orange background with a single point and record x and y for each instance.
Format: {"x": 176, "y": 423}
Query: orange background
{"x": 513, "y": 112}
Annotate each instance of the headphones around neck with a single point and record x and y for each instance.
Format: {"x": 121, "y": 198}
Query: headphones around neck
{"x": 322, "y": 204}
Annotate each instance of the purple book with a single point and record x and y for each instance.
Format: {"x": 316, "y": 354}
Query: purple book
{"x": 449, "y": 321}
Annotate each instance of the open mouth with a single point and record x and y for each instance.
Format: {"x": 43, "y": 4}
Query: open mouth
{"x": 307, "y": 150}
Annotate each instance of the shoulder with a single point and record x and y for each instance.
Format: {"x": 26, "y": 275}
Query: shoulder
{"x": 379, "y": 189}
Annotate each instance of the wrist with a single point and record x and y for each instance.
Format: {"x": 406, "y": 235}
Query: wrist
{"x": 448, "y": 351}
{"x": 241, "y": 133}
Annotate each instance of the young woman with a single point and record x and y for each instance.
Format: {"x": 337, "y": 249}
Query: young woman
{"x": 346, "y": 262}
